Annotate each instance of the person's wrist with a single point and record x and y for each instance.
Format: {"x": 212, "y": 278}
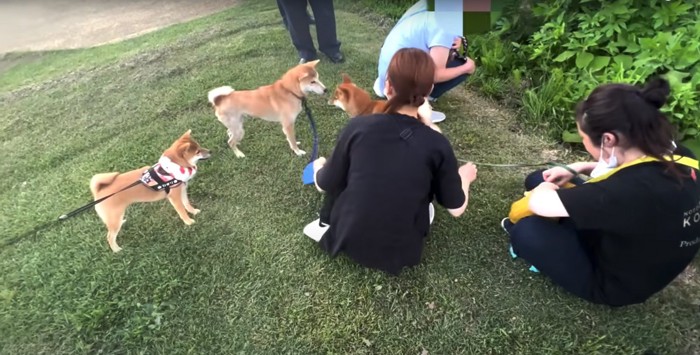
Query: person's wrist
{"x": 576, "y": 166}
{"x": 465, "y": 184}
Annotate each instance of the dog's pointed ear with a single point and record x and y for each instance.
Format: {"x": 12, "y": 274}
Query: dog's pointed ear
{"x": 182, "y": 148}
{"x": 313, "y": 63}
{"x": 303, "y": 75}
{"x": 188, "y": 133}
{"x": 346, "y": 79}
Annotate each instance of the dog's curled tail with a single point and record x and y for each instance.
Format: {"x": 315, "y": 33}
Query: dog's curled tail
{"x": 101, "y": 180}
{"x": 216, "y": 94}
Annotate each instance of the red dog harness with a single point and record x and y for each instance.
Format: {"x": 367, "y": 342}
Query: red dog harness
{"x": 166, "y": 174}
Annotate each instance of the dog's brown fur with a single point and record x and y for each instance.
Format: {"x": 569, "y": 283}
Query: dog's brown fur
{"x": 278, "y": 102}
{"x": 356, "y": 102}
{"x": 185, "y": 152}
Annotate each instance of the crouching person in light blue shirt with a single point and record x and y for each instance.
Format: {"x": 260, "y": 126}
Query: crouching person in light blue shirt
{"x": 420, "y": 28}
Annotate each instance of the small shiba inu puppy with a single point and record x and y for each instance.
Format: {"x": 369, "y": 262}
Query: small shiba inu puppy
{"x": 168, "y": 178}
{"x": 356, "y": 101}
{"x": 278, "y": 102}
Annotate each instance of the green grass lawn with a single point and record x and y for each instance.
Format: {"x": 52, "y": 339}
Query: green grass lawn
{"x": 243, "y": 278}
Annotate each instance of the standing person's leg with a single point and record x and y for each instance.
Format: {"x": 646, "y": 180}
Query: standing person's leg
{"x": 284, "y": 16}
{"x": 555, "y": 249}
{"x": 328, "y": 43}
{"x": 298, "y": 25}
{"x": 440, "y": 88}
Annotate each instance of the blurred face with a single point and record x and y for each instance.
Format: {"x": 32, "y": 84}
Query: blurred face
{"x": 591, "y": 148}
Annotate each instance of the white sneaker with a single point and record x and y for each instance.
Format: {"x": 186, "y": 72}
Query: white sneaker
{"x": 377, "y": 91}
{"x": 431, "y": 212}
{"x": 315, "y": 231}
{"x": 437, "y": 116}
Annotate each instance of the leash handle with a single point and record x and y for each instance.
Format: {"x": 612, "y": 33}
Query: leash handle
{"x": 568, "y": 168}
{"x": 93, "y": 203}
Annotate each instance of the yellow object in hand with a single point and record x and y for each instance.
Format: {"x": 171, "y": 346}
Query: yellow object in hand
{"x": 521, "y": 208}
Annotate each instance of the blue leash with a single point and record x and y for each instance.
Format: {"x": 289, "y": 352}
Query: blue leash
{"x": 307, "y": 176}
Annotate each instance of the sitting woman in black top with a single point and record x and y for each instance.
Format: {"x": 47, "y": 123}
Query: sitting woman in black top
{"x": 383, "y": 174}
{"x": 625, "y": 234}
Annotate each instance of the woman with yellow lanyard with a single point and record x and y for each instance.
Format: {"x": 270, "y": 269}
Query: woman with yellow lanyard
{"x": 626, "y": 233}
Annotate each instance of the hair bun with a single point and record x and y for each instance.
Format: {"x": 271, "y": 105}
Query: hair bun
{"x": 656, "y": 92}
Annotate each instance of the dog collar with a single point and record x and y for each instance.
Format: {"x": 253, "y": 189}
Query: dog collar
{"x": 301, "y": 98}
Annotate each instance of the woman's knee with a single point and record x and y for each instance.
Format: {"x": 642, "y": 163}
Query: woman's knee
{"x": 534, "y": 179}
{"x": 529, "y": 236}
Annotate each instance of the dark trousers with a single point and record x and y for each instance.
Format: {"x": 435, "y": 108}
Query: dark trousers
{"x": 440, "y": 88}
{"x": 555, "y": 249}
{"x": 284, "y": 16}
{"x": 297, "y": 21}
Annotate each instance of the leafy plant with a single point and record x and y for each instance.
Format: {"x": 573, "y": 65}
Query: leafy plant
{"x": 576, "y": 45}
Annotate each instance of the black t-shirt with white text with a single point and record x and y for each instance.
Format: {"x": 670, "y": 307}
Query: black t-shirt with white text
{"x": 641, "y": 226}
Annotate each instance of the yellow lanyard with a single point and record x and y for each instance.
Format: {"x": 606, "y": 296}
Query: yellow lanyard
{"x": 689, "y": 162}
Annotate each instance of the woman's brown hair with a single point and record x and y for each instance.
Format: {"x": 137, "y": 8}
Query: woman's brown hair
{"x": 411, "y": 73}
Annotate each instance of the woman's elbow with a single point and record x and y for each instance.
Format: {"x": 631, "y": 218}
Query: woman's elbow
{"x": 457, "y": 212}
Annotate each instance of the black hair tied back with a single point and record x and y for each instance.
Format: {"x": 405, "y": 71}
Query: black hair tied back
{"x": 656, "y": 92}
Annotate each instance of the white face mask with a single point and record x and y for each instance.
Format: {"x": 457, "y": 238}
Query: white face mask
{"x": 603, "y": 166}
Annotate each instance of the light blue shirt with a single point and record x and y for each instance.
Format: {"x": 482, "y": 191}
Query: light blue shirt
{"x": 417, "y": 28}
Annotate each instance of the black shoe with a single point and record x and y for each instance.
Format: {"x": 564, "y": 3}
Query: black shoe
{"x": 336, "y": 57}
{"x": 306, "y": 60}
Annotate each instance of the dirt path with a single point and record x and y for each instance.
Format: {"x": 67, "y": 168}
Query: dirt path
{"x": 34, "y": 25}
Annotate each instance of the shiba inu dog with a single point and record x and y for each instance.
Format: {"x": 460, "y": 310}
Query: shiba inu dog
{"x": 168, "y": 178}
{"x": 356, "y": 102}
{"x": 279, "y": 102}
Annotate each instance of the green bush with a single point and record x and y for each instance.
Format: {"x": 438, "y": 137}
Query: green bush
{"x": 568, "y": 47}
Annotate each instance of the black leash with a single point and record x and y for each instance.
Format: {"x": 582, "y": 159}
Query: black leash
{"x": 312, "y": 123}
{"x": 61, "y": 218}
{"x": 307, "y": 175}
{"x": 85, "y": 207}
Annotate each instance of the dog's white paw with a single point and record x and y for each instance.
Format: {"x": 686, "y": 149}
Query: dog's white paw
{"x": 238, "y": 153}
{"x": 116, "y": 249}
{"x": 189, "y": 222}
{"x": 300, "y": 152}
{"x": 195, "y": 211}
